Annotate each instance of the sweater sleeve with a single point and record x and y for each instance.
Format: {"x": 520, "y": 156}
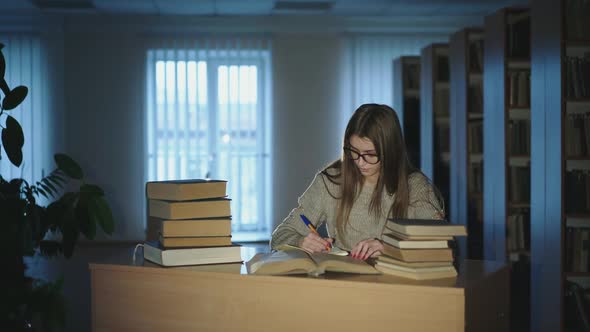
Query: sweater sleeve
{"x": 424, "y": 202}
{"x": 310, "y": 203}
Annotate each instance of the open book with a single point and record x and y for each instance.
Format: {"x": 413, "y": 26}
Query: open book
{"x": 295, "y": 260}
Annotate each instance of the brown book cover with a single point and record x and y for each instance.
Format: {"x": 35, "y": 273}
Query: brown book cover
{"x": 425, "y": 227}
{"x": 417, "y": 273}
{"x": 414, "y": 244}
{"x": 235, "y": 268}
{"x": 198, "y": 241}
{"x": 418, "y": 255}
{"x": 391, "y": 260}
{"x": 203, "y": 208}
{"x": 186, "y": 190}
{"x": 417, "y": 237}
{"x": 187, "y": 227}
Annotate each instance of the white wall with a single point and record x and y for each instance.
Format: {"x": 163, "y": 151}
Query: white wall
{"x": 104, "y": 84}
{"x": 307, "y": 115}
{"x": 104, "y": 93}
{"x": 104, "y": 123}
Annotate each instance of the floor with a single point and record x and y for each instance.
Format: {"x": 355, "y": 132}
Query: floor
{"x": 77, "y": 275}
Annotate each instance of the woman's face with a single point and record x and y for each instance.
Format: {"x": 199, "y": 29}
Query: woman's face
{"x": 366, "y": 149}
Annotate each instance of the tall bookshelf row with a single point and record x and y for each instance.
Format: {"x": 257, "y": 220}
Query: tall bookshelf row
{"x": 519, "y": 165}
{"x": 507, "y": 151}
{"x": 560, "y": 242}
{"x": 466, "y": 117}
{"x": 434, "y": 117}
{"x": 406, "y": 95}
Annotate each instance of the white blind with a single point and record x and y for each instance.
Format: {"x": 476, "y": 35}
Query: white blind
{"x": 25, "y": 66}
{"x": 208, "y": 116}
{"x": 369, "y": 65}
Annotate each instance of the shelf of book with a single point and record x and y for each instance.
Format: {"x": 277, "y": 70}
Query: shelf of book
{"x": 577, "y": 274}
{"x": 507, "y": 146}
{"x": 434, "y": 109}
{"x": 560, "y": 161}
{"x": 406, "y": 101}
{"x": 466, "y": 104}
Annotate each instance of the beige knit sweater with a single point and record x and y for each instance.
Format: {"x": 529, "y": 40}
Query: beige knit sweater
{"x": 319, "y": 206}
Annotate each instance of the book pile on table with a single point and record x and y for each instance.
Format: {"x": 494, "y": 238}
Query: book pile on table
{"x": 418, "y": 248}
{"x": 189, "y": 223}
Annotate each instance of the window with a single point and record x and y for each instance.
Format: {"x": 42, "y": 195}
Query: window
{"x": 208, "y": 117}
{"x": 25, "y": 65}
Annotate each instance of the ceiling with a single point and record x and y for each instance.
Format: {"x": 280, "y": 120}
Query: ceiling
{"x": 370, "y": 8}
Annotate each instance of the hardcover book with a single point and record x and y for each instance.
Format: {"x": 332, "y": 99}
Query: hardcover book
{"x": 425, "y": 227}
{"x": 391, "y": 260}
{"x": 418, "y": 255}
{"x": 195, "y": 241}
{"x": 154, "y": 252}
{"x": 416, "y": 273}
{"x": 186, "y": 190}
{"x": 188, "y": 227}
{"x": 203, "y": 208}
{"x": 414, "y": 244}
{"x": 235, "y": 268}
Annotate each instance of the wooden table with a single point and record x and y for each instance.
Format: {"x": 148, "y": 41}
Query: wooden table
{"x": 141, "y": 298}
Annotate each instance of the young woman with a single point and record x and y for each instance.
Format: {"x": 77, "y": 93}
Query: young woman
{"x": 356, "y": 194}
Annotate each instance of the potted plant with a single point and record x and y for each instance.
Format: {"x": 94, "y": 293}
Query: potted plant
{"x": 29, "y": 304}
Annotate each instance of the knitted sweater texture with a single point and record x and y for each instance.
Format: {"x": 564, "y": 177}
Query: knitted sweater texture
{"x": 319, "y": 206}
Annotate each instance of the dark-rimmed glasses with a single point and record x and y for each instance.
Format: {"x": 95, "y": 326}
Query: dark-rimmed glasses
{"x": 369, "y": 158}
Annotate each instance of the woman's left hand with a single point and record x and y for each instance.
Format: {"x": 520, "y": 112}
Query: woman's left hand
{"x": 367, "y": 248}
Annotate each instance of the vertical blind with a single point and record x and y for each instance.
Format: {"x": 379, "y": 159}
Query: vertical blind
{"x": 369, "y": 65}
{"x": 208, "y": 116}
{"x": 24, "y": 66}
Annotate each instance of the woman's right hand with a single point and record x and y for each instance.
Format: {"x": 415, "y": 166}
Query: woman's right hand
{"x": 315, "y": 243}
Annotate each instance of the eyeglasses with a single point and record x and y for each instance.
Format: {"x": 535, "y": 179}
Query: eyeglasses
{"x": 370, "y": 158}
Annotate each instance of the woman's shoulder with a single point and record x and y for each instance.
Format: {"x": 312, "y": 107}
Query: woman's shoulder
{"x": 417, "y": 176}
{"x": 418, "y": 179}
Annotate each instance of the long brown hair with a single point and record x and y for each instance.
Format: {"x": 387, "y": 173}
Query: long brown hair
{"x": 380, "y": 124}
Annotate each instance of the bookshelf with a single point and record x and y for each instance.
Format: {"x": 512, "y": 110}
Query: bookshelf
{"x": 506, "y": 151}
{"x": 434, "y": 117}
{"x": 560, "y": 91}
{"x": 406, "y": 96}
{"x": 466, "y": 100}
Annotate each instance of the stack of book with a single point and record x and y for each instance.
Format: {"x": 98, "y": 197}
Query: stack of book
{"x": 418, "y": 248}
{"x": 189, "y": 223}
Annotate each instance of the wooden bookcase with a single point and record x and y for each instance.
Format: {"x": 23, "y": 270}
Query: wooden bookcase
{"x": 560, "y": 193}
{"x": 406, "y": 101}
{"x": 466, "y": 117}
{"x": 507, "y": 151}
{"x": 434, "y": 117}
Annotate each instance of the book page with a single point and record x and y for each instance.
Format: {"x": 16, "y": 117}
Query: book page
{"x": 334, "y": 263}
{"x": 334, "y": 251}
{"x": 281, "y": 262}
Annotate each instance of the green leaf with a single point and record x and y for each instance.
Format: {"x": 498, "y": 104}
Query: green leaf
{"x": 47, "y": 189}
{"x": 54, "y": 216}
{"x": 13, "y": 141}
{"x": 68, "y": 166}
{"x": 91, "y": 189}
{"x": 15, "y": 97}
{"x": 42, "y": 192}
{"x": 50, "y": 248}
{"x": 59, "y": 180}
{"x": 100, "y": 211}
{"x": 52, "y": 189}
{"x": 70, "y": 233}
{"x": 86, "y": 223}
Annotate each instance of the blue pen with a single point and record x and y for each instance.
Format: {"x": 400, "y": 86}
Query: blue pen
{"x": 310, "y": 226}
